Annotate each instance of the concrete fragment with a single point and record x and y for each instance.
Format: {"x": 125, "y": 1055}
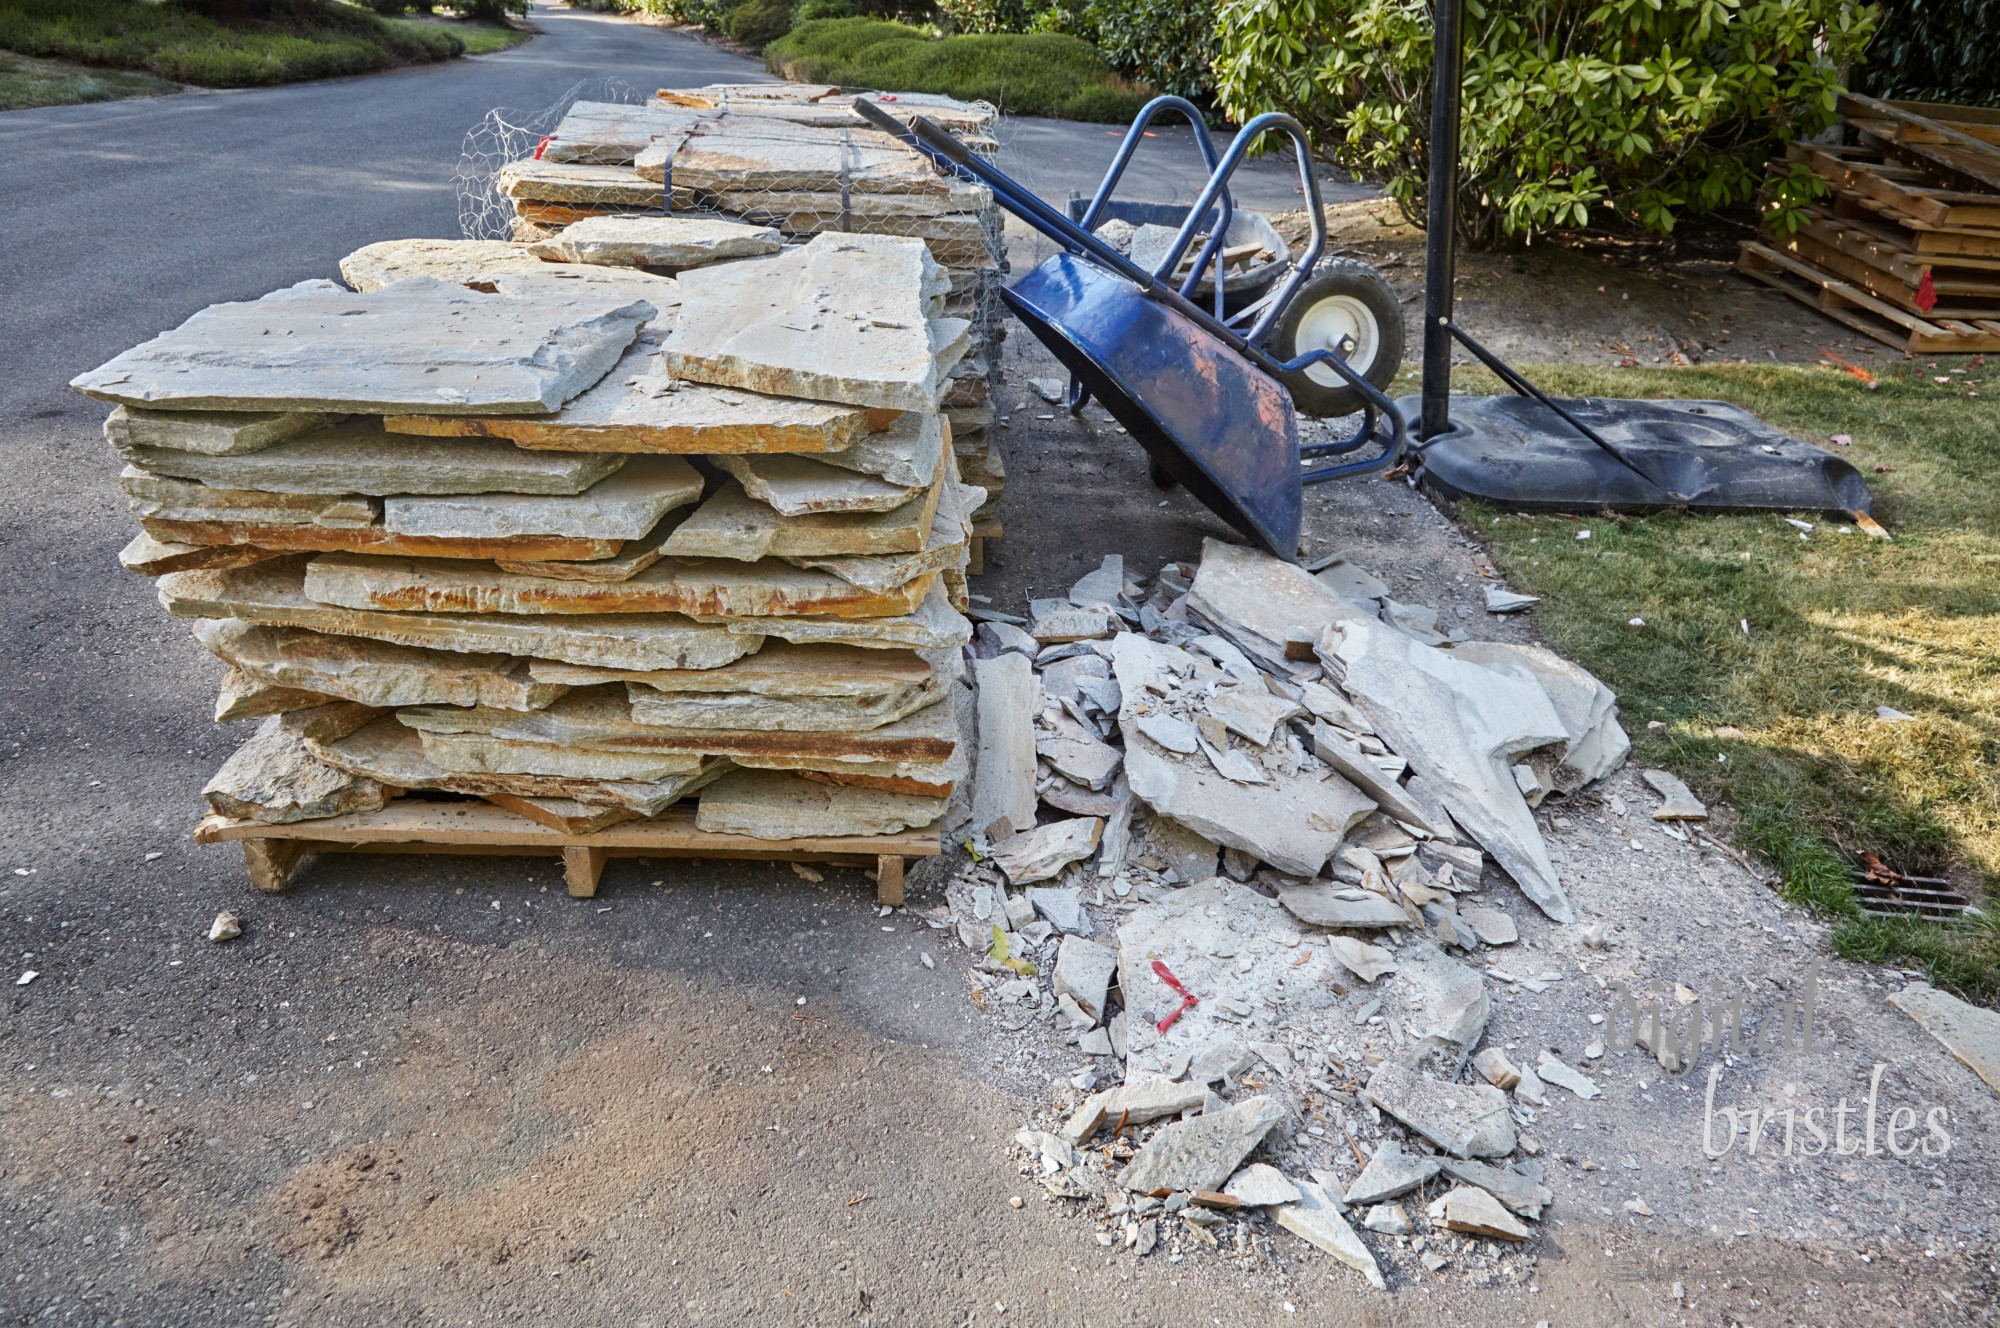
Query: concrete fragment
{"x": 1003, "y": 779}
{"x": 1477, "y": 1213}
{"x": 844, "y": 318}
{"x": 1083, "y": 972}
{"x": 1459, "y": 724}
{"x": 1041, "y": 852}
{"x": 1679, "y": 802}
{"x": 773, "y": 805}
{"x": 1261, "y": 1185}
{"x": 417, "y": 345}
{"x": 1316, "y": 1219}
{"x": 1203, "y": 1152}
{"x": 209, "y": 432}
{"x": 625, "y": 505}
{"x": 275, "y": 779}
{"x": 1967, "y": 1031}
{"x": 1466, "y": 1120}
{"x": 358, "y": 457}
{"x": 671, "y": 242}
{"x": 1390, "y": 1172}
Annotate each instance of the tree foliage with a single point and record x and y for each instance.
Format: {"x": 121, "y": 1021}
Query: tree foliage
{"x": 1936, "y": 50}
{"x": 1622, "y": 115}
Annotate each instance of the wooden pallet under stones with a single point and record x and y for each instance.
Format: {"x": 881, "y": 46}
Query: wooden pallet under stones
{"x": 1846, "y": 303}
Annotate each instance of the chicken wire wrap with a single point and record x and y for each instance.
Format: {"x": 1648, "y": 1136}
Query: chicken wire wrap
{"x": 506, "y": 136}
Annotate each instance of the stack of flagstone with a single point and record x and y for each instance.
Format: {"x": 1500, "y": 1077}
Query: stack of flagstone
{"x": 798, "y": 159}
{"x": 577, "y": 539}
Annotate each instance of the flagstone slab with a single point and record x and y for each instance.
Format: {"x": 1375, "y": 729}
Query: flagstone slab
{"x": 791, "y": 714}
{"x": 485, "y": 754}
{"x": 712, "y": 586}
{"x": 498, "y": 266}
{"x": 375, "y": 672}
{"x": 625, "y": 505}
{"x": 418, "y": 345}
{"x": 732, "y": 524}
{"x": 571, "y": 182}
{"x": 275, "y": 778}
{"x": 798, "y": 486}
{"x": 771, "y": 804}
{"x": 634, "y": 557}
{"x": 640, "y": 407}
{"x": 949, "y": 548}
{"x": 613, "y": 133}
{"x": 934, "y": 625}
{"x": 842, "y": 318}
{"x": 161, "y": 497}
{"x": 675, "y": 242}
{"x": 280, "y": 541}
{"x": 151, "y": 557}
{"x": 780, "y": 669}
{"x": 358, "y": 457}
{"x": 720, "y": 155}
{"x": 209, "y": 432}
{"x": 274, "y": 593}
{"x": 906, "y": 452}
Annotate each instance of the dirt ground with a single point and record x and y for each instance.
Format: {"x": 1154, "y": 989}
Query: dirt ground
{"x": 429, "y": 1090}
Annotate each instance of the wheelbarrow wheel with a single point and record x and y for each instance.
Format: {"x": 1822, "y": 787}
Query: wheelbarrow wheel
{"x": 1348, "y": 305}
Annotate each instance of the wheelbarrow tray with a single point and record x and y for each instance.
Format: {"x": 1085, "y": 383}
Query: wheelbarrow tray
{"x": 1709, "y": 456}
{"x": 1215, "y": 423}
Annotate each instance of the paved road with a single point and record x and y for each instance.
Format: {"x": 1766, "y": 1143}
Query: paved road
{"x": 429, "y": 1089}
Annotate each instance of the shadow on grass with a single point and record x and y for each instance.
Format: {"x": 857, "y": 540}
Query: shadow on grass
{"x": 1764, "y": 651}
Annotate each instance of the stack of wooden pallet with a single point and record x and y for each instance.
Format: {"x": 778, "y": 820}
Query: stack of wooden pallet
{"x": 1907, "y": 249}
{"x": 799, "y": 159}
{"x": 523, "y": 558}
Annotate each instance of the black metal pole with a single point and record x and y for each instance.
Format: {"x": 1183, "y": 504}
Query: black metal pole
{"x": 1441, "y": 216}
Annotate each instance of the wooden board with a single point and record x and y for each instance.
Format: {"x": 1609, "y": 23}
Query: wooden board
{"x": 1920, "y": 237}
{"x": 1957, "y": 297}
{"x": 1889, "y": 248}
{"x": 1848, "y": 304}
{"x": 473, "y": 827}
{"x": 1902, "y": 188}
{"x": 1946, "y": 146}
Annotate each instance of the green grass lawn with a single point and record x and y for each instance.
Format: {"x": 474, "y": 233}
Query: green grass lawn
{"x": 314, "y": 39}
{"x": 1779, "y": 720}
{"x": 1037, "y": 73}
{"x": 26, "y": 81}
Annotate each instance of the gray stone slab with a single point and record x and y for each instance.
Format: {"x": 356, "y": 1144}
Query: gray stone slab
{"x": 1063, "y": 908}
{"x": 1083, "y": 972}
{"x": 416, "y": 345}
{"x": 624, "y": 505}
{"x": 904, "y": 453}
{"x": 275, "y": 779}
{"x": 1041, "y": 852}
{"x": 1391, "y": 1172}
{"x": 1316, "y": 1219}
{"x": 1258, "y": 601}
{"x": 358, "y": 457}
{"x": 1967, "y": 1031}
{"x": 1519, "y": 1193}
{"x": 1003, "y": 778}
{"x": 672, "y": 242}
{"x": 772, "y": 805}
{"x": 1204, "y": 1152}
{"x": 844, "y": 318}
{"x": 163, "y": 498}
{"x": 209, "y": 432}
{"x": 1343, "y": 906}
{"x": 274, "y": 593}
{"x": 801, "y": 485}
{"x": 1466, "y": 1120}
{"x": 374, "y": 672}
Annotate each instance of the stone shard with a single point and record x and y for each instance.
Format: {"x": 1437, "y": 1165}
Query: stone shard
{"x": 1365, "y": 961}
{"x": 498, "y": 266}
{"x": 1496, "y": 1069}
{"x": 1343, "y": 906}
{"x": 1251, "y": 711}
{"x": 640, "y": 407}
{"x": 1968, "y": 1032}
{"x": 162, "y": 498}
{"x": 1593, "y": 743}
{"x": 1258, "y": 602}
{"x": 622, "y": 506}
{"x": 375, "y": 673}
{"x": 1459, "y": 724}
{"x": 357, "y": 457}
{"x": 1104, "y": 586}
{"x": 151, "y": 557}
{"x": 1039, "y": 853}
{"x": 1553, "y": 1071}
{"x": 1316, "y": 1219}
{"x": 1490, "y": 925}
{"x": 1292, "y": 823}
{"x": 715, "y": 587}
{"x": 1678, "y": 800}
{"x": 1084, "y": 970}
{"x": 1003, "y": 777}
{"x": 732, "y": 524}
{"x": 1466, "y": 1120}
{"x": 801, "y": 485}
{"x": 1442, "y": 1004}
{"x": 780, "y": 669}
{"x": 274, "y": 778}
{"x": 273, "y": 593}
{"x": 1356, "y": 766}
{"x": 209, "y": 432}
{"x": 673, "y": 242}
{"x": 769, "y": 804}
{"x": 906, "y": 452}
{"x": 1063, "y": 909}
{"x": 1261, "y": 1185}
{"x": 1203, "y": 1152}
{"x": 843, "y": 318}
{"x": 1508, "y": 601}
{"x": 1391, "y": 1172}
{"x": 1077, "y": 755}
{"x": 1138, "y": 1101}
{"x": 417, "y": 345}
{"x": 1475, "y": 1212}
{"x": 1519, "y": 1193}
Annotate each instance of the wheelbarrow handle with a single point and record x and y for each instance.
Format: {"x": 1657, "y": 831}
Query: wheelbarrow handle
{"x": 933, "y": 136}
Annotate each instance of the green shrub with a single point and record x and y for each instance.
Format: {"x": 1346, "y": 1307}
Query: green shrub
{"x": 1935, "y": 50}
{"x": 807, "y": 10}
{"x": 1022, "y": 73}
{"x": 755, "y": 22}
{"x": 1625, "y": 115}
{"x": 482, "y": 11}
{"x": 297, "y": 39}
{"x": 1167, "y": 44}
{"x": 985, "y": 16}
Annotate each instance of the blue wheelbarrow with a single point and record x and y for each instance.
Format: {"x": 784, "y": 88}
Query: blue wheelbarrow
{"x": 1210, "y": 402}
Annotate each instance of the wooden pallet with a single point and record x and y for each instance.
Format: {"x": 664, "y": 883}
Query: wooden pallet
{"x": 1890, "y": 248}
{"x": 1856, "y": 308}
{"x": 1915, "y": 132}
{"x": 1958, "y": 296}
{"x": 1922, "y": 239}
{"x": 982, "y": 532}
{"x": 417, "y": 825}
{"x": 1905, "y": 189}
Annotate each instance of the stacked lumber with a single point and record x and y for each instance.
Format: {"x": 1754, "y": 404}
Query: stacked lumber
{"x": 1907, "y": 248}
{"x": 795, "y": 158}
{"x": 576, "y": 540}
